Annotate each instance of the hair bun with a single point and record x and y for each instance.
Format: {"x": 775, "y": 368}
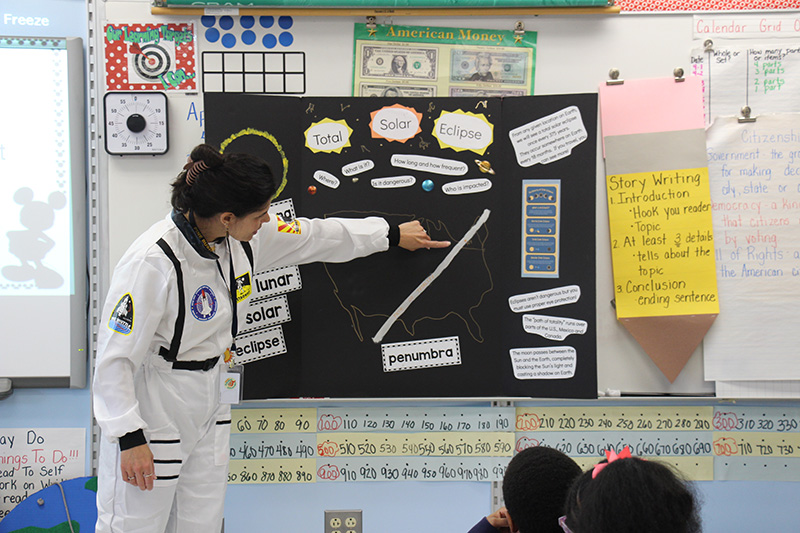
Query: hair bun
{"x": 194, "y": 170}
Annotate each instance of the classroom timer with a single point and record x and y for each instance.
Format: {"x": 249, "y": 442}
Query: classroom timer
{"x": 136, "y": 123}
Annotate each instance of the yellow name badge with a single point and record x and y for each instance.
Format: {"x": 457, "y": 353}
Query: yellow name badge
{"x": 662, "y": 243}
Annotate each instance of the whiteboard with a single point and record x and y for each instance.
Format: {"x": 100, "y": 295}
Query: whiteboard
{"x": 43, "y": 272}
{"x": 574, "y": 55}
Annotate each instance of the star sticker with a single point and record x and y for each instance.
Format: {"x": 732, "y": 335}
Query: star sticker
{"x": 518, "y": 38}
{"x": 372, "y": 32}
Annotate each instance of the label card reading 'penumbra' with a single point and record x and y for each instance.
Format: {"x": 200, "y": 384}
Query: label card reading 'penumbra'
{"x": 421, "y": 354}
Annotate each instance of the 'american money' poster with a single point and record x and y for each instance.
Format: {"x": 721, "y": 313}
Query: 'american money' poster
{"x": 421, "y": 61}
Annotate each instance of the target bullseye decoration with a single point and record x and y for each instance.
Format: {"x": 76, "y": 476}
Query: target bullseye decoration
{"x": 150, "y": 57}
{"x": 150, "y": 61}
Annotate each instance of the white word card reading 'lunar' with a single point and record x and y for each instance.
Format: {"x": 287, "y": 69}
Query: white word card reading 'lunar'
{"x": 276, "y": 281}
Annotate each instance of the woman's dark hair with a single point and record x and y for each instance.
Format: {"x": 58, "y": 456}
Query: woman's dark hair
{"x": 633, "y": 495}
{"x": 534, "y": 487}
{"x": 237, "y": 183}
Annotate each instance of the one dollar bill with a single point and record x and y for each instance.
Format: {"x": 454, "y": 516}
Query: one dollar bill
{"x": 398, "y": 62}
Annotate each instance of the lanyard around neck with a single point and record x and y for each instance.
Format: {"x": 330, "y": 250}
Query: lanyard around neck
{"x": 199, "y": 233}
{"x": 228, "y": 285}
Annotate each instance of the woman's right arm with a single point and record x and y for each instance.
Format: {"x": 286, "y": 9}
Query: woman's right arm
{"x": 135, "y": 305}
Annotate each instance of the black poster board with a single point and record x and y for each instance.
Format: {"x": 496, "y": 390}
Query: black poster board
{"x": 463, "y": 317}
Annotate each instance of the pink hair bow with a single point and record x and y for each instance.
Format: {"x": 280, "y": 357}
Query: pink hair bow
{"x": 611, "y": 456}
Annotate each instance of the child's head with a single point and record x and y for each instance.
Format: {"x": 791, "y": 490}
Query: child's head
{"x": 632, "y": 495}
{"x": 534, "y": 488}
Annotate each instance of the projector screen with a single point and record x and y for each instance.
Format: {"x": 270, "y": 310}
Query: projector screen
{"x": 42, "y": 212}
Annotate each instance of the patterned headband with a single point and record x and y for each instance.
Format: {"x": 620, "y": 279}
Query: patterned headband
{"x": 196, "y": 168}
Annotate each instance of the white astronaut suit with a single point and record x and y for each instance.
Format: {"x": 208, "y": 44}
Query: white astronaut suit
{"x": 157, "y": 372}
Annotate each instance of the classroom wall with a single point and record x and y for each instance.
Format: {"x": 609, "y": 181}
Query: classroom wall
{"x": 575, "y": 53}
{"x": 47, "y": 407}
{"x": 50, "y": 408}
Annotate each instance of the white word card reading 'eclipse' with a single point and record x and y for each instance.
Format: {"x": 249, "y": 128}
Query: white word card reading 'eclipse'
{"x": 259, "y": 345}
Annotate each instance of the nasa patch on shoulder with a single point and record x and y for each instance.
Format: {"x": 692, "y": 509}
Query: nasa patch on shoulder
{"x": 121, "y": 319}
{"x": 289, "y": 227}
{"x": 204, "y": 303}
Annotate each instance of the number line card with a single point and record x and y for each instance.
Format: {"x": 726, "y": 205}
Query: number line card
{"x": 705, "y": 442}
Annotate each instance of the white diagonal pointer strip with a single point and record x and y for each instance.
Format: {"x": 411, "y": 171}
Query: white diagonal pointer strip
{"x": 435, "y": 274}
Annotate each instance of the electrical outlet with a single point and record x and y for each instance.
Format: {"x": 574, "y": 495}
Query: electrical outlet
{"x": 343, "y": 521}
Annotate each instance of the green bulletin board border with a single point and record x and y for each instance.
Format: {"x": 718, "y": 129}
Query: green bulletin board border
{"x": 387, "y": 3}
{"x": 430, "y": 34}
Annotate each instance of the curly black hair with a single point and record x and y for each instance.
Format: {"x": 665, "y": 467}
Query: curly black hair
{"x": 535, "y": 486}
{"x": 631, "y": 496}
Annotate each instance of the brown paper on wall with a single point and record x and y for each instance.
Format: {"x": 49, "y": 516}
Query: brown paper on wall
{"x": 669, "y": 340}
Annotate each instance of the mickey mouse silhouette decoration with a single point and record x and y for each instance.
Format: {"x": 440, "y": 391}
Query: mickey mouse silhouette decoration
{"x": 32, "y": 244}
